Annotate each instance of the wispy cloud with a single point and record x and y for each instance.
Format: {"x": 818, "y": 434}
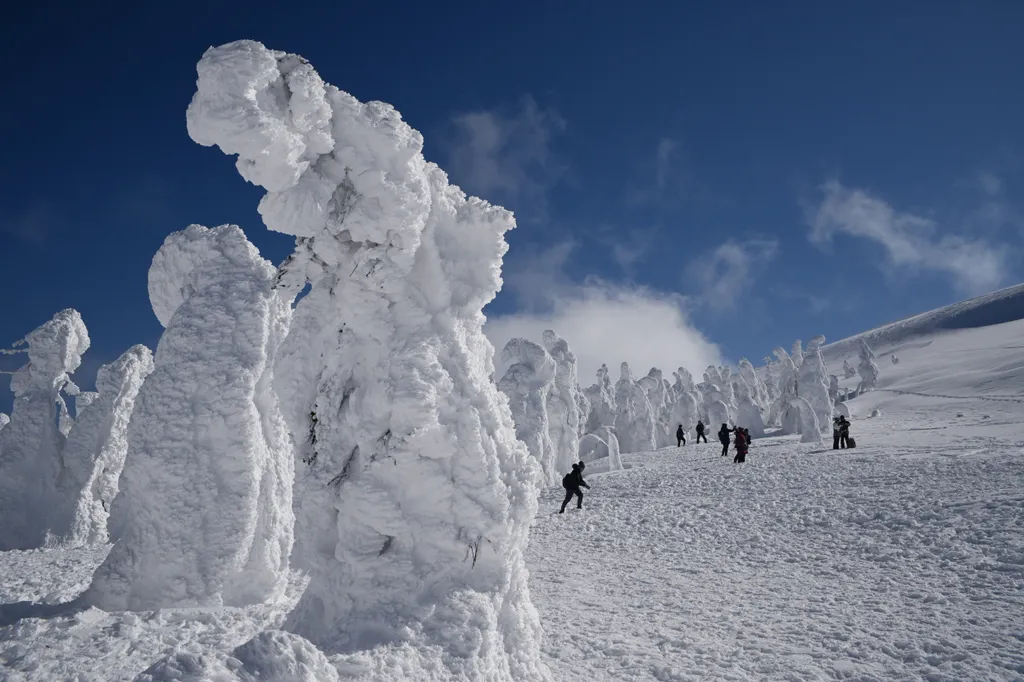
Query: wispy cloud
{"x": 728, "y": 272}
{"x": 506, "y": 156}
{"x": 662, "y": 177}
{"x": 912, "y": 243}
{"x": 604, "y": 322}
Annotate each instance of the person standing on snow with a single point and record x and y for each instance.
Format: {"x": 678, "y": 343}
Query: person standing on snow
{"x": 835, "y": 433}
{"x": 572, "y": 482}
{"x": 723, "y": 438}
{"x": 742, "y": 442}
{"x": 700, "y": 431}
{"x": 680, "y": 436}
{"x": 844, "y": 432}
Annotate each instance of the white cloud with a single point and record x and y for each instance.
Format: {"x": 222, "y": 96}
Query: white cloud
{"x": 507, "y": 157}
{"x": 727, "y": 273}
{"x": 604, "y": 322}
{"x": 911, "y": 242}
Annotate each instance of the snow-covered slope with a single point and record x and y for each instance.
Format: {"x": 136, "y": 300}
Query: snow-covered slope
{"x": 1005, "y": 305}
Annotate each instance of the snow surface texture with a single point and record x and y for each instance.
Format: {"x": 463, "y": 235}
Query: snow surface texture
{"x": 413, "y": 497}
{"x": 565, "y": 399}
{"x": 96, "y": 447}
{"x": 30, "y": 445}
{"x": 204, "y": 514}
{"x": 527, "y": 384}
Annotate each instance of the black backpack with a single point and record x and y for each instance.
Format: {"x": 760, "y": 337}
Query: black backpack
{"x": 567, "y": 481}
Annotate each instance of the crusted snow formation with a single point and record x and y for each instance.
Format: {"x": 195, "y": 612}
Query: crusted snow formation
{"x": 566, "y": 418}
{"x": 867, "y": 368}
{"x": 4, "y": 420}
{"x": 849, "y": 371}
{"x": 841, "y": 409}
{"x": 607, "y": 434}
{"x": 602, "y": 401}
{"x": 833, "y": 388}
{"x": 527, "y": 384}
{"x": 31, "y": 444}
{"x": 634, "y": 421}
{"x": 414, "y": 499}
{"x": 810, "y": 431}
{"x": 204, "y": 513}
{"x": 271, "y": 656}
{"x": 659, "y": 396}
{"x": 95, "y": 450}
{"x": 812, "y": 381}
{"x": 748, "y": 414}
{"x": 782, "y": 412}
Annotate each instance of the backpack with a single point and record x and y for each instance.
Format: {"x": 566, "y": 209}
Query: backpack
{"x": 851, "y": 443}
{"x": 567, "y": 481}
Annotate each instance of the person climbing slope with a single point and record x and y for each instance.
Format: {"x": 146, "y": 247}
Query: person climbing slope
{"x": 723, "y": 438}
{"x": 680, "y": 436}
{"x": 742, "y": 443}
{"x": 572, "y": 482}
{"x": 700, "y": 431}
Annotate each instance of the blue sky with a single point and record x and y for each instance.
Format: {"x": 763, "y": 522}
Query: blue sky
{"x": 739, "y": 174}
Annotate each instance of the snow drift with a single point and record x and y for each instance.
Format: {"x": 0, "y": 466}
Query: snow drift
{"x": 96, "y": 447}
{"x": 204, "y": 514}
{"x": 31, "y": 444}
{"x": 414, "y": 498}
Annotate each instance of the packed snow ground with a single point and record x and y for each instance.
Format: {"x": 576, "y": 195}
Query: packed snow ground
{"x": 902, "y": 559}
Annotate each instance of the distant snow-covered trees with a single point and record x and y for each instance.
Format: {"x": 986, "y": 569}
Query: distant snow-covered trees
{"x": 527, "y": 384}
{"x": 867, "y": 368}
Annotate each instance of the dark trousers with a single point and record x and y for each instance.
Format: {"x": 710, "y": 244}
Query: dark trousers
{"x": 700, "y": 434}
{"x": 682, "y": 441}
{"x": 835, "y": 440}
{"x": 725, "y": 448}
{"x": 843, "y": 442}
{"x": 568, "y": 496}
{"x": 741, "y": 456}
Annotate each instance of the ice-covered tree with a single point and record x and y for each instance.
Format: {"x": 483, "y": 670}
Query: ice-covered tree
{"x": 565, "y": 400}
{"x": 602, "y": 401}
{"x": 607, "y": 434}
{"x": 204, "y": 516}
{"x": 31, "y": 444}
{"x": 810, "y": 431}
{"x": 527, "y": 384}
{"x": 654, "y": 386}
{"x": 748, "y": 413}
{"x": 848, "y": 370}
{"x": 4, "y": 420}
{"x": 718, "y": 412}
{"x": 95, "y": 450}
{"x": 595, "y": 446}
{"x": 415, "y": 498}
{"x": 833, "y": 388}
{"x": 634, "y": 421}
{"x": 757, "y": 391}
{"x": 867, "y": 368}
{"x": 812, "y": 382}
{"x": 783, "y": 413}
{"x": 797, "y": 353}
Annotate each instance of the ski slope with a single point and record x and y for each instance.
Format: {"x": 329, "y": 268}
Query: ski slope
{"x": 902, "y": 559}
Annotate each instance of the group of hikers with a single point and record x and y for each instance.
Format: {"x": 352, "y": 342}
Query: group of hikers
{"x": 573, "y": 481}
{"x": 741, "y": 440}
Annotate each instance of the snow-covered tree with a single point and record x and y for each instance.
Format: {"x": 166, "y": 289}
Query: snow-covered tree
{"x": 654, "y": 386}
{"x": 748, "y": 414}
{"x": 4, "y": 420}
{"x": 797, "y": 354}
{"x": 607, "y": 434}
{"x": 528, "y": 383}
{"x": 634, "y": 421}
{"x": 95, "y": 450}
{"x": 783, "y": 413}
{"x": 204, "y": 514}
{"x": 565, "y": 417}
{"x": 848, "y": 370}
{"x": 415, "y": 498}
{"x": 602, "y": 401}
{"x": 757, "y": 391}
{"x": 833, "y": 388}
{"x": 867, "y": 368}
{"x": 31, "y": 444}
{"x": 718, "y": 412}
{"x": 594, "y": 446}
{"x": 812, "y": 382}
{"x": 810, "y": 431}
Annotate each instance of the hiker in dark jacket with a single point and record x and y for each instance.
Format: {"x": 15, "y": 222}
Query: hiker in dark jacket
{"x": 680, "y": 436}
{"x": 572, "y": 482}
{"x": 723, "y": 438}
{"x": 835, "y": 433}
{"x": 700, "y": 431}
{"x": 844, "y": 432}
{"x": 742, "y": 443}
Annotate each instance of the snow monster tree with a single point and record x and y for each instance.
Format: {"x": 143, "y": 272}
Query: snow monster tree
{"x": 413, "y": 496}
